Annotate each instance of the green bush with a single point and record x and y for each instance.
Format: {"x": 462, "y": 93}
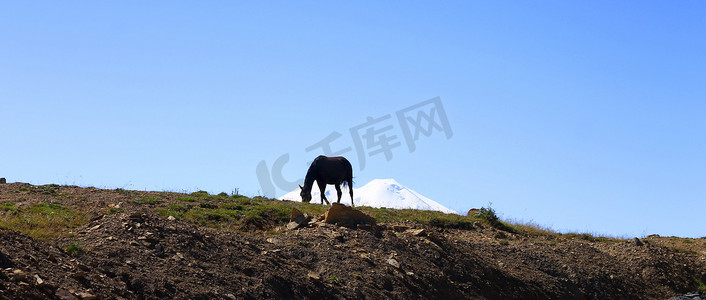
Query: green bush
{"x": 74, "y": 249}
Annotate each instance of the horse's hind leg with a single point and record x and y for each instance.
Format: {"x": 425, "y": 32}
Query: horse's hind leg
{"x": 322, "y": 189}
{"x": 350, "y": 190}
{"x": 338, "y": 191}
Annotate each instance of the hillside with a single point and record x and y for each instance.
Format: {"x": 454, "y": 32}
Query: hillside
{"x": 67, "y": 242}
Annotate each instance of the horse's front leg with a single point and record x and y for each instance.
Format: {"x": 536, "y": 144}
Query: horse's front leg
{"x": 322, "y": 189}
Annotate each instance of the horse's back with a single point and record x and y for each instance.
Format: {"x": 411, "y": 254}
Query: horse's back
{"x": 334, "y": 167}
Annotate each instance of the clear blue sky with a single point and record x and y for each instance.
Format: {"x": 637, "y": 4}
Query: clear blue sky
{"x": 580, "y": 116}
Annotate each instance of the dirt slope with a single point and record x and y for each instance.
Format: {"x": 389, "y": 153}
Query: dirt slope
{"x": 136, "y": 254}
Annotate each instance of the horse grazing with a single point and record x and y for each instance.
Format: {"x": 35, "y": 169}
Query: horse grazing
{"x": 328, "y": 170}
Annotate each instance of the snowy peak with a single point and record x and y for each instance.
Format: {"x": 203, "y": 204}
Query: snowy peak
{"x": 377, "y": 193}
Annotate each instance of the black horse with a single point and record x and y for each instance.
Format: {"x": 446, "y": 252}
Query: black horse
{"x": 328, "y": 170}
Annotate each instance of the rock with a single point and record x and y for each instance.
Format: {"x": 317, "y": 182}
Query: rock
{"x": 3, "y": 180}
{"x": 40, "y": 281}
{"x": 314, "y": 276}
{"x": 19, "y": 275}
{"x": 346, "y": 215}
{"x": 64, "y": 295}
{"x": 336, "y": 235}
{"x": 399, "y": 228}
{"x": 472, "y": 212}
{"x": 292, "y": 225}
{"x": 367, "y": 257}
{"x": 79, "y": 275}
{"x": 298, "y": 219}
{"x": 416, "y": 232}
{"x": 365, "y": 227}
{"x": 86, "y": 296}
{"x": 638, "y": 242}
{"x": 296, "y": 216}
{"x": 698, "y": 295}
{"x": 171, "y": 218}
{"x": 393, "y": 262}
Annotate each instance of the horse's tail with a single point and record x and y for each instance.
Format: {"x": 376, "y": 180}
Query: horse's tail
{"x": 345, "y": 182}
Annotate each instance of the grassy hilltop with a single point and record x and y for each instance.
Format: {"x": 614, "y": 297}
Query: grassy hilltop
{"x": 116, "y": 243}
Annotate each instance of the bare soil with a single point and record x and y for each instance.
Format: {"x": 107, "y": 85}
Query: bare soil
{"x": 134, "y": 253}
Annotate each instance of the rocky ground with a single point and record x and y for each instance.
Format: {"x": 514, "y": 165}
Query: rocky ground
{"x": 134, "y": 253}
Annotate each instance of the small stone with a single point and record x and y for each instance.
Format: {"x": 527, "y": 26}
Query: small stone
{"x": 79, "y": 275}
{"x": 292, "y": 225}
{"x": 86, "y": 296}
{"x": 314, "y": 276}
{"x": 336, "y": 236}
{"x": 95, "y": 227}
{"x": 171, "y": 218}
{"x": 19, "y": 275}
{"x": 40, "y": 281}
{"x": 417, "y": 232}
{"x": 399, "y": 228}
{"x": 366, "y": 257}
{"x": 393, "y": 262}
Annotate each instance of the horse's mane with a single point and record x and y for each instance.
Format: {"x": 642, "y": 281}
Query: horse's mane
{"x": 310, "y": 174}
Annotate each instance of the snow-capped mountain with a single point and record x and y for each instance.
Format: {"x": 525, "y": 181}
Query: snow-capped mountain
{"x": 377, "y": 193}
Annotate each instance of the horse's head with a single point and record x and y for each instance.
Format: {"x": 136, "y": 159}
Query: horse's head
{"x": 306, "y": 195}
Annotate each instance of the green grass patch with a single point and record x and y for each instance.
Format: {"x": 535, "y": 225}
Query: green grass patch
{"x": 700, "y": 285}
{"x": 590, "y": 238}
{"x": 8, "y": 207}
{"x": 201, "y": 194}
{"x": 533, "y": 229}
{"x": 74, "y": 249}
{"x": 148, "y": 200}
{"x": 44, "y": 221}
{"x": 124, "y": 191}
{"x": 113, "y": 210}
{"x": 235, "y": 212}
{"x": 437, "y": 219}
